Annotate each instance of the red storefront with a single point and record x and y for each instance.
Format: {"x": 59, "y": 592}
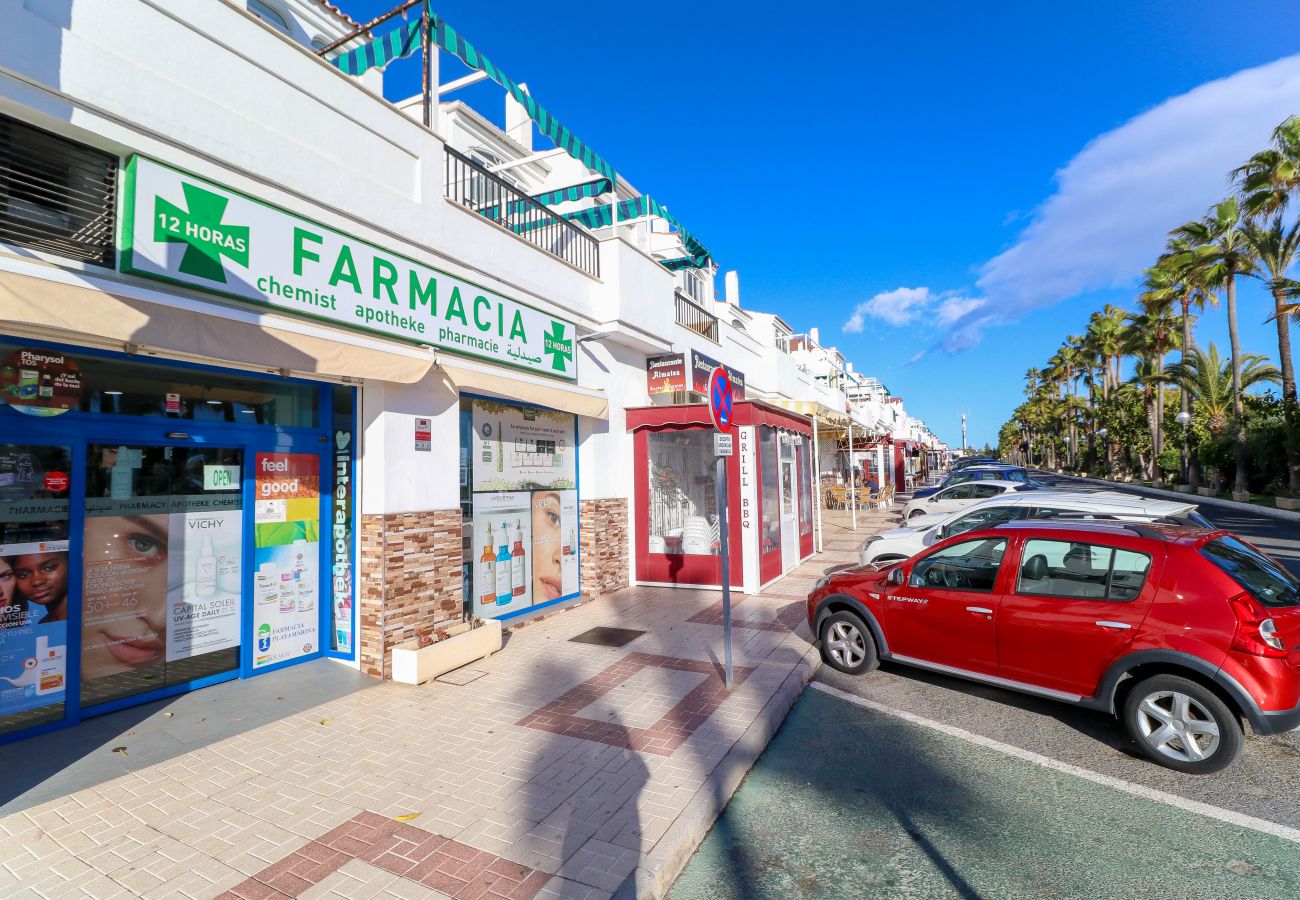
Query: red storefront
{"x": 770, "y": 495}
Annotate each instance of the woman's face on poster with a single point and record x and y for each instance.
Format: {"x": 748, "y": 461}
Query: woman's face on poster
{"x": 124, "y": 625}
{"x": 6, "y": 582}
{"x": 548, "y": 578}
{"x": 42, "y": 578}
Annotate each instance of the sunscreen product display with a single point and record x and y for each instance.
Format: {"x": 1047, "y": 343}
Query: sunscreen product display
{"x": 504, "y": 588}
{"x": 266, "y": 584}
{"x": 487, "y": 572}
{"x": 304, "y": 584}
{"x": 205, "y": 570}
{"x": 288, "y": 593}
{"x": 517, "y": 561}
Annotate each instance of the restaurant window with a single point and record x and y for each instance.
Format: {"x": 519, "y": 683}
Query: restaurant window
{"x": 683, "y": 504}
{"x": 803, "y": 450}
{"x": 56, "y": 196}
{"x": 769, "y": 480}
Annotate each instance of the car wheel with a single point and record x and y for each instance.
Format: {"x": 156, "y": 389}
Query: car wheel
{"x": 916, "y": 512}
{"x": 847, "y": 644}
{"x": 1182, "y": 725}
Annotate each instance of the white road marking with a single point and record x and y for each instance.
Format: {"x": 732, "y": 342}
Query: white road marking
{"x": 1214, "y": 812}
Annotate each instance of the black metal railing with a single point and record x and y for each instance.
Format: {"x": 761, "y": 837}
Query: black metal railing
{"x": 499, "y": 201}
{"x": 695, "y": 317}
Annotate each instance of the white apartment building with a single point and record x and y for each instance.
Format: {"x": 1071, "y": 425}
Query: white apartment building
{"x": 288, "y": 374}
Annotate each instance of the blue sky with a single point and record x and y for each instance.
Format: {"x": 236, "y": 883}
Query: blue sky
{"x": 1016, "y": 162}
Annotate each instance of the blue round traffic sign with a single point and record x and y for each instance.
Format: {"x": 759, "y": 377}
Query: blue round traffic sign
{"x": 720, "y": 401}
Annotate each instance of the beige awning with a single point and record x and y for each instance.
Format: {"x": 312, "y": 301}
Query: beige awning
{"x": 810, "y": 408}
{"x": 58, "y": 311}
{"x": 464, "y": 375}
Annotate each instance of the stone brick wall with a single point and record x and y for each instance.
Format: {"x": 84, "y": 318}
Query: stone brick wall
{"x": 409, "y": 582}
{"x": 604, "y": 545}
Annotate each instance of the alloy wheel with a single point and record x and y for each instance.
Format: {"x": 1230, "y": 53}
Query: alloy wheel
{"x": 846, "y": 644}
{"x": 1177, "y": 726}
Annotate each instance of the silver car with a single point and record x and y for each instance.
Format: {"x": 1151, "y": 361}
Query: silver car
{"x": 960, "y": 496}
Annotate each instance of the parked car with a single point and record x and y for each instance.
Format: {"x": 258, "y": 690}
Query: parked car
{"x": 925, "y": 531}
{"x": 961, "y": 496}
{"x": 977, "y": 473}
{"x": 967, "y": 461}
{"x": 1180, "y": 632}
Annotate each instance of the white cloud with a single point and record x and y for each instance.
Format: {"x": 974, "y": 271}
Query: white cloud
{"x": 897, "y": 307}
{"x": 1116, "y": 200}
{"x": 953, "y": 309}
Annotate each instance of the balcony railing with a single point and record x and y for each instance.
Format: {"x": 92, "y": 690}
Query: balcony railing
{"x": 695, "y": 317}
{"x": 496, "y": 199}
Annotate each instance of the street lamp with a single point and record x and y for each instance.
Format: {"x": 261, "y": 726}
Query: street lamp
{"x": 1105, "y": 449}
{"x": 1183, "y": 418}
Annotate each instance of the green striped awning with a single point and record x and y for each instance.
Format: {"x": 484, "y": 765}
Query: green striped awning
{"x": 405, "y": 40}
{"x": 575, "y": 192}
{"x": 381, "y": 51}
{"x": 448, "y": 39}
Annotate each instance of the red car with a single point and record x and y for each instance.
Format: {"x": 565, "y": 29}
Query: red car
{"x": 1181, "y": 632}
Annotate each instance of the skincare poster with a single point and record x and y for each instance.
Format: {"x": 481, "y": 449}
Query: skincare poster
{"x": 520, "y": 448}
{"x": 204, "y": 585}
{"x": 33, "y": 647}
{"x": 124, "y": 598}
{"x": 525, "y": 549}
{"x": 286, "y": 580}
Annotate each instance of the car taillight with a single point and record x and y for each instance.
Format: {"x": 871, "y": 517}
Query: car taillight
{"x": 1256, "y": 633}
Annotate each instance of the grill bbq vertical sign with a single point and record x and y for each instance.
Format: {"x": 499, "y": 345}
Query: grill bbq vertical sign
{"x": 187, "y": 230}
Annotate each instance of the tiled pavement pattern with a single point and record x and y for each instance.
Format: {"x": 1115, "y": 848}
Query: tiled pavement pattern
{"x": 450, "y": 760}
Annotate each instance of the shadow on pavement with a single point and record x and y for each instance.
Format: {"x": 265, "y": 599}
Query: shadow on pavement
{"x": 38, "y": 769}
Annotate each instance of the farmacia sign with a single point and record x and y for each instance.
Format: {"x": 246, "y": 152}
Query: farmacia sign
{"x": 186, "y": 230}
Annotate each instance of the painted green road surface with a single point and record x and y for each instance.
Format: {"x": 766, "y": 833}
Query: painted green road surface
{"x": 848, "y": 802}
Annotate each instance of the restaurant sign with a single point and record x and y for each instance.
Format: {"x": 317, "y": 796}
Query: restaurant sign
{"x": 190, "y": 231}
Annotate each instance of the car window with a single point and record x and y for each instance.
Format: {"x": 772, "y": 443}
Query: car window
{"x": 968, "y": 566}
{"x": 1081, "y": 571}
{"x": 983, "y": 491}
{"x": 1262, "y": 578}
{"x": 980, "y": 518}
{"x": 1015, "y": 475}
{"x": 960, "y": 478}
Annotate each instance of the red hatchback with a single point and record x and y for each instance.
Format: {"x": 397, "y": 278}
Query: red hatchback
{"x": 1181, "y": 632}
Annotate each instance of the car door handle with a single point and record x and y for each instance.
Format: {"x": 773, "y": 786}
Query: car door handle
{"x": 1120, "y": 626}
{"x": 983, "y": 611}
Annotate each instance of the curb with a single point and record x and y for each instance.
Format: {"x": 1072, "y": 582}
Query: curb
{"x": 658, "y": 869}
{"x": 1285, "y": 515}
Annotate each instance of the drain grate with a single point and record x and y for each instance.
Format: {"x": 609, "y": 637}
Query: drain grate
{"x": 608, "y": 637}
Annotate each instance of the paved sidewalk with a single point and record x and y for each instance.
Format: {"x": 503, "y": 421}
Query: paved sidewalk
{"x": 565, "y": 770}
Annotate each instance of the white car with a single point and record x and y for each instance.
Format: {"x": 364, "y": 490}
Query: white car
{"x": 960, "y": 496}
{"x": 923, "y": 531}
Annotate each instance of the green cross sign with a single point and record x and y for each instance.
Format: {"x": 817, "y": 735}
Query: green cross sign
{"x": 559, "y": 347}
{"x": 201, "y": 230}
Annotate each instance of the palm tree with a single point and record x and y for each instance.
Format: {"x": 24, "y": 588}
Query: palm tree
{"x": 1152, "y": 334}
{"x": 1186, "y": 285}
{"x": 1270, "y": 177}
{"x": 1220, "y": 252}
{"x": 1106, "y": 339}
{"x": 1210, "y": 380}
{"x": 1275, "y": 247}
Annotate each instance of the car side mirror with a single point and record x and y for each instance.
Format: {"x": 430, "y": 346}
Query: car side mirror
{"x": 896, "y": 576}
{"x": 934, "y": 498}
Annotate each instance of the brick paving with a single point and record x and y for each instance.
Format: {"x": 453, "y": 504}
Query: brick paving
{"x": 556, "y": 774}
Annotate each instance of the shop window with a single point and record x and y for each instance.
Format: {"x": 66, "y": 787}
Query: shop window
{"x": 769, "y": 480}
{"x": 519, "y": 506}
{"x": 34, "y": 482}
{"x": 683, "y": 499}
{"x": 803, "y": 450}
{"x": 131, "y": 388}
{"x": 56, "y": 195}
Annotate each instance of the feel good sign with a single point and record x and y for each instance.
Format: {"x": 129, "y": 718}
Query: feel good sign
{"x": 184, "y": 229}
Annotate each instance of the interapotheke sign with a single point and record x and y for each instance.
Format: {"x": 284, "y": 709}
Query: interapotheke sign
{"x": 187, "y": 230}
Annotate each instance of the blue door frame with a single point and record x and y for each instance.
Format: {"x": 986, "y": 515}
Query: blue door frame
{"x": 77, "y": 430}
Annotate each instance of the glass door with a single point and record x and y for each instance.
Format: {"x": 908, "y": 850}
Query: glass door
{"x": 34, "y": 484}
{"x": 162, "y": 584}
{"x": 789, "y": 515}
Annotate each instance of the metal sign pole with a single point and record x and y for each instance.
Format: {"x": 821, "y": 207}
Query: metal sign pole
{"x": 721, "y": 476}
